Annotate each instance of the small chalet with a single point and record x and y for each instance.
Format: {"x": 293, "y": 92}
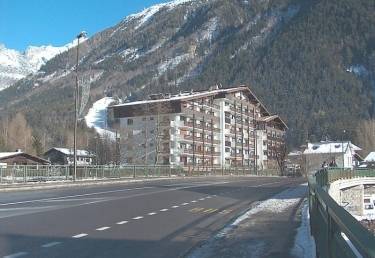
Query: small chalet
{"x": 20, "y": 158}
{"x": 331, "y": 153}
{"x": 369, "y": 161}
{"x": 65, "y": 156}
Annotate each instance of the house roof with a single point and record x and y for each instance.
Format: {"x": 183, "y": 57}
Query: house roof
{"x": 7, "y": 155}
{"x": 195, "y": 95}
{"x": 4, "y": 155}
{"x": 66, "y": 151}
{"x": 370, "y": 157}
{"x": 329, "y": 147}
{"x": 272, "y": 118}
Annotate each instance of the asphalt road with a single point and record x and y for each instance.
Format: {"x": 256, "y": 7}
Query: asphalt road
{"x": 165, "y": 218}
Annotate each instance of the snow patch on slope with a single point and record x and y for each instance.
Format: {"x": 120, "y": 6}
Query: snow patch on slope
{"x": 172, "y": 63}
{"x": 144, "y": 16}
{"x": 97, "y": 117}
{"x": 210, "y": 29}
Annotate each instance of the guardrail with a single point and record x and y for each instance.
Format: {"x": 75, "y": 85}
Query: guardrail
{"x": 337, "y": 233}
{"x": 31, "y": 174}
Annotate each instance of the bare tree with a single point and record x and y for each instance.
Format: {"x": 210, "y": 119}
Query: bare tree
{"x": 366, "y": 135}
{"x": 281, "y": 154}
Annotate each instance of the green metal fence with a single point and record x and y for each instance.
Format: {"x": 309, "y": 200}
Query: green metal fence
{"x": 30, "y": 174}
{"x": 337, "y": 233}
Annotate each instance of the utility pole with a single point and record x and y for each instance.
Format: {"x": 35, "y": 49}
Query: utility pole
{"x": 342, "y": 149}
{"x": 76, "y": 93}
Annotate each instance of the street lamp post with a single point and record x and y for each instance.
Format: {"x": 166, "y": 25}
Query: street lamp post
{"x": 342, "y": 149}
{"x": 76, "y": 93}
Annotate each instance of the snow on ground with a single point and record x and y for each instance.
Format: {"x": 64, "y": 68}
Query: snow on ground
{"x": 277, "y": 204}
{"x": 210, "y": 29}
{"x": 304, "y": 243}
{"x": 147, "y": 14}
{"x": 130, "y": 54}
{"x": 97, "y": 117}
{"x": 358, "y": 70}
{"x": 172, "y": 63}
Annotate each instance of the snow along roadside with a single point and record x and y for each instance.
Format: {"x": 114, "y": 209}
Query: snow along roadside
{"x": 276, "y": 204}
{"x": 304, "y": 243}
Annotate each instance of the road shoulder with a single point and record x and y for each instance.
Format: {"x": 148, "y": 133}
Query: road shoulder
{"x": 267, "y": 229}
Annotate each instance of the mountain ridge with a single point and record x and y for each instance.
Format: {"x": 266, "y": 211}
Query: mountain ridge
{"x": 296, "y": 55}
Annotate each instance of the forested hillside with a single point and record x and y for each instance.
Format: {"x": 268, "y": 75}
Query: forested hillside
{"x": 311, "y": 61}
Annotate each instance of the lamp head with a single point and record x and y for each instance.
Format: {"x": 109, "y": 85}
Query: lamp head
{"x": 83, "y": 34}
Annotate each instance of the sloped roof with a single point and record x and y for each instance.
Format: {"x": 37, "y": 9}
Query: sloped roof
{"x": 271, "y": 118}
{"x": 66, "y": 151}
{"x": 329, "y": 147}
{"x": 6, "y": 155}
{"x": 370, "y": 157}
{"x": 195, "y": 95}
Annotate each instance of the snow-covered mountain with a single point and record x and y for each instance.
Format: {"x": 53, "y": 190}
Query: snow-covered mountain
{"x": 282, "y": 49}
{"x": 15, "y": 65}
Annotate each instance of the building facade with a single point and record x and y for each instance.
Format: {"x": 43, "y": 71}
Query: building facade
{"x": 214, "y": 128}
{"x": 20, "y": 158}
{"x": 65, "y": 156}
{"x": 330, "y": 153}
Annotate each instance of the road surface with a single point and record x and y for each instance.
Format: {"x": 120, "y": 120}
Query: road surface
{"x": 164, "y": 218}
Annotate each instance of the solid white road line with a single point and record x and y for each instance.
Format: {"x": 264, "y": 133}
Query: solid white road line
{"x": 102, "y": 228}
{"x": 80, "y": 235}
{"x": 122, "y": 222}
{"x": 15, "y": 255}
{"x": 51, "y": 244}
{"x": 152, "y": 213}
{"x": 176, "y": 206}
{"x": 163, "y": 209}
{"x": 137, "y": 218}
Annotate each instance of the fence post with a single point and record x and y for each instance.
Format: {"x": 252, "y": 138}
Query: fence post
{"x": 1, "y": 175}
{"x": 134, "y": 171}
{"x": 170, "y": 171}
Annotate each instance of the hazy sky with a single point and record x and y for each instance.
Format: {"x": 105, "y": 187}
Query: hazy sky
{"x": 56, "y": 22}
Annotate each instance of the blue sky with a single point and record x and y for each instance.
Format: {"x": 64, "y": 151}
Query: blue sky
{"x": 57, "y": 22}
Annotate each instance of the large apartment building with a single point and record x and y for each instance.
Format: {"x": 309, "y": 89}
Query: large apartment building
{"x": 213, "y": 128}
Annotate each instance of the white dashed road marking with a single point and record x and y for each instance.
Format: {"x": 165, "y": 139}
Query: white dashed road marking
{"x": 122, "y": 222}
{"x": 103, "y": 228}
{"x": 163, "y": 209}
{"x": 201, "y": 199}
{"x": 185, "y": 203}
{"x": 51, "y": 244}
{"x": 137, "y": 218}
{"x": 79, "y": 235}
{"x": 176, "y": 206}
{"x": 151, "y": 213}
{"x": 15, "y": 255}
{"x": 194, "y": 201}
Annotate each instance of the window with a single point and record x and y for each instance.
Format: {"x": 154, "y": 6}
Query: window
{"x": 130, "y": 121}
